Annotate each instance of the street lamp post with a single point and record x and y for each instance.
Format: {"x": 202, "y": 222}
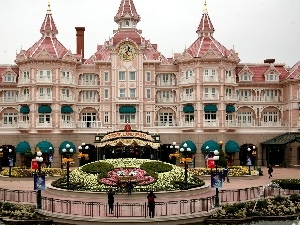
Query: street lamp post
{"x": 10, "y": 161}
{"x": 216, "y": 159}
{"x": 68, "y": 151}
{"x": 39, "y": 160}
{"x": 1, "y": 156}
{"x": 185, "y": 150}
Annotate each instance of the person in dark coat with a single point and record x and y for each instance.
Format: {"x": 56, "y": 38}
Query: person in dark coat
{"x": 270, "y": 170}
{"x": 129, "y": 187}
{"x": 151, "y": 204}
{"x": 111, "y": 200}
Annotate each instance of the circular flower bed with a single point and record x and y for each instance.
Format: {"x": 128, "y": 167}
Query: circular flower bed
{"x": 145, "y": 174}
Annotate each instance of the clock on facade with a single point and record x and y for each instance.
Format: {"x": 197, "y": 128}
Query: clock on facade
{"x": 126, "y": 51}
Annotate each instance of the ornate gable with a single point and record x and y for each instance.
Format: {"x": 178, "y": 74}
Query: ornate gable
{"x": 69, "y": 56}
{"x": 44, "y": 54}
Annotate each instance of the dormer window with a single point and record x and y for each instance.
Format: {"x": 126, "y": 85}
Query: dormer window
{"x": 188, "y": 73}
{"x": 127, "y": 23}
{"x": 9, "y": 78}
{"x": 245, "y": 77}
{"x": 271, "y": 77}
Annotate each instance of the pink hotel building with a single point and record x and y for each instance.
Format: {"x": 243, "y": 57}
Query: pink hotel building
{"x": 203, "y": 95}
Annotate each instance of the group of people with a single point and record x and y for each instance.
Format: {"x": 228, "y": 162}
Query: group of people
{"x": 150, "y": 197}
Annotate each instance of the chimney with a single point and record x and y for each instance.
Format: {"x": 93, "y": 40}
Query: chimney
{"x": 80, "y": 40}
{"x": 269, "y": 60}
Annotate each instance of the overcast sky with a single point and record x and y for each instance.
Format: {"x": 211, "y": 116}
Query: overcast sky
{"x": 257, "y": 29}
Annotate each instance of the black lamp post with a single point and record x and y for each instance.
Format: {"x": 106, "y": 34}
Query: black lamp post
{"x": 185, "y": 150}
{"x": 39, "y": 160}
{"x": 216, "y": 159}
{"x": 10, "y": 161}
{"x": 174, "y": 148}
{"x": 68, "y": 151}
{"x": 1, "y": 156}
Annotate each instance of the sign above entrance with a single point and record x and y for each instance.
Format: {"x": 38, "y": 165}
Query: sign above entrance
{"x": 130, "y": 134}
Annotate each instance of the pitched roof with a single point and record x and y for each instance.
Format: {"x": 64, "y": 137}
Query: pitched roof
{"x": 283, "y": 139}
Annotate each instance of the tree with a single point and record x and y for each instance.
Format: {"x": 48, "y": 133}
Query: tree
{"x": 222, "y": 159}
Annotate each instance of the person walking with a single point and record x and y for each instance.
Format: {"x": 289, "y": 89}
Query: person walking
{"x": 129, "y": 187}
{"x": 270, "y": 170}
{"x": 225, "y": 173}
{"x": 111, "y": 201}
{"x": 151, "y": 204}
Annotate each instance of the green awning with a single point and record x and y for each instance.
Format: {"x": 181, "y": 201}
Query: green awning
{"x": 230, "y": 108}
{"x": 23, "y": 147}
{"x": 190, "y": 145}
{"x": 232, "y": 147}
{"x": 45, "y": 147}
{"x": 44, "y": 109}
{"x": 210, "y": 108}
{"x": 64, "y": 145}
{"x": 188, "y": 109}
{"x": 284, "y": 139}
{"x": 212, "y": 146}
{"x": 66, "y": 109}
{"x": 24, "y": 109}
{"x": 127, "y": 109}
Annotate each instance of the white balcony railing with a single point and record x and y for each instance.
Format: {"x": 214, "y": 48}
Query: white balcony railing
{"x": 67, "y": 98}
{"x": 9, "y": 124}
{"x": 89, "y": 82}
{"x": 165, "y": 99}
{"x": 230, "y": 97}
{"x": 23, "y": 124}
{"x": 44, "y": 79}
{"x": 187, "y": 80}
{"x": 9, "y": 99}
{"x": 165, "y": 83}
{"x": 89, "y": 124}
{"x": 88, "y": 100}
{"x": 24, "y": 81}
{"x": 45, "y": 124}
{"x": 210, "y": 79}
{"x": 23, "y": 98}
{"x": 165, "y": 124}
{"x": 245, "y": 98}
{"x": 44, "y": 97}
{"x": 68, "y": 124}
{"x": 67, "y": 81}
{"x": 187, "y": 123}
{"x": 211, "y": 123}
{"x": 190, "y": 97}
{"x": 230, "y": 80}
{"x": 210, "y": 96}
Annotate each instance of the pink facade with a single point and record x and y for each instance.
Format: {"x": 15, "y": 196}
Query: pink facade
{"x": 203, "y": 93}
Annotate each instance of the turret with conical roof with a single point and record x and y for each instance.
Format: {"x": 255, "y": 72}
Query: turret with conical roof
{"x": 205, "y": 27}
{"x": 127, "y": 17}
{"x": 48, "y": 28}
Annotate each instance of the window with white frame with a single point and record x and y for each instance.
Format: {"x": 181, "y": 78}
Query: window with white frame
{"x": 66, "y": 92}
{"x": 189, "y": 117}
{"x": 127, "y": 118}
{"x": 210, "y": 93}
{"x": 44, "y": 93}
{"x": 188, "y": 73}
{"x": 10, "y": 118}
{"x": 148, "y": 93}
{"x": 9, "y": 96}
{"x": 44, "y": 118}
{"x": 132, "y": 92}
{"x": 166, "y": 94}
{"x": 165, "y": 119}
{"x": 229, "y": 92}
{"x": 89, "y": 95}
{"x": 66, "y": 118}
{"x": 122, "y": 76}
{"x": 189, "y": 91}
{"x": 132, "y": 75}
{"x": 65, "y": 75}
{"x": 89, "y": 79}
{"x": 148, "y": 76}
{"x": 44, "y": 74}
{"x": 271, "y": 77}
{"x": 9, "y": 78}
{"x": 106, "y": 117}
{"x": 106, "y": 76}
{"x": 228, "y": 73}
{"x": 269, "y": 117}
{"x": 166, "y": 78}
{"x": 244, "y": 118}
{"x": 24, "y": 118}
{"x": 89, "y": 119}
{"x": 245, "y": 77}
{"x": 229, "y": 116}
{"x": 210, "y": 116}
{"x": 26, "y": 91}
{"x": 106, "y": 93}
{"x": 244, "y": 93}
{"x": 148, "y": 117}
{"x": 26, "y": 74}
{"x": 122, "y": 92}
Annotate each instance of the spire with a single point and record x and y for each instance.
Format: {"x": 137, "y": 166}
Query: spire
{"x": 205, "y": 27}
{"x": 48, "y": 28}
{"x": 127, "y": 17}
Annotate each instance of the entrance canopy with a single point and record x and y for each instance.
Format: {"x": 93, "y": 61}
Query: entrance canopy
{"x": 22, "y": 147}
{"x": 45, "y": 147}
{"x": 190, "y": 145}
{"x": 128, "y": 138}
{"x": 212, "y": 145}
{"x": 232, "y": 147}
{"x": 284, "y": 139}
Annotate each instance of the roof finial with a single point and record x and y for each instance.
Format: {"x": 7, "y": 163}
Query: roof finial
{"x": 205, "y": 7}
{"x": 49, "y": 9}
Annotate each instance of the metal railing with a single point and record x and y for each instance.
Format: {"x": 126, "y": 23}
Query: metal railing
{"x": 123, "y": 209}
